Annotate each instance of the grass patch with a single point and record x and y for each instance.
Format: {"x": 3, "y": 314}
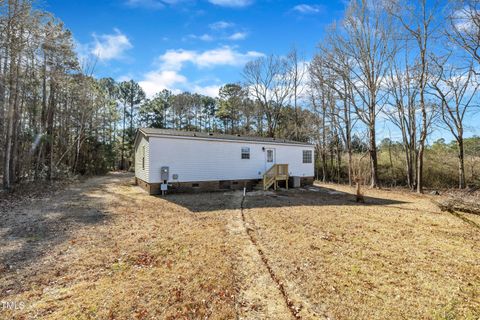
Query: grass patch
{"x": 178, "y": 257}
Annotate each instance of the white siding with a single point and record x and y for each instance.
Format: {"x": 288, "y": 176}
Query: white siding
{"x": 210, "y": 160}
{"x": 142, "y": 172}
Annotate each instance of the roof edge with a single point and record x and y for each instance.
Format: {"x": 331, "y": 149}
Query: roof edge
{"x": 237, "y": 138}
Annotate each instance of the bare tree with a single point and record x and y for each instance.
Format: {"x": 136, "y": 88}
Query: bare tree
{"x": 17, "y": 12}
{"x": 455, "y": 88}
{"x": 338, "y": 79}
{"x": 298, "y": 69}
{"x": 463, "y": 26}
{"x": 403, "y": 88}
{"x": 368, "y": 48}
{"x": 321, "y": 96}
{"x": 270, "y": 84}
{"x": 418, "y": 23}
{"x": 131, "y": 95}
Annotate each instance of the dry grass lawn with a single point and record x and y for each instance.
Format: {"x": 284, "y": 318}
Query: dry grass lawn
{"x": 103, "y": 249}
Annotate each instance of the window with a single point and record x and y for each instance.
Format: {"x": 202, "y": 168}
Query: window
{"x": 269, "y": 155}
{"x": 143, "y": 157}
{"x": 307, "y": 156}
{"x": 245, "y": 153}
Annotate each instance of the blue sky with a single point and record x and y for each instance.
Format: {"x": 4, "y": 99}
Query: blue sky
{"x": 190, "y": 45}
{"x": 198, "y": 45}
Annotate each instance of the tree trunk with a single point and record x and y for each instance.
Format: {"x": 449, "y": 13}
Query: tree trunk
{"x": 421, "y": 149}
{"x": 339, "y": 161}
{"x": 408, "y": 165}
{"x": 123, "y": 138}
{"x": 373, "y": 157}
{"x": 420, "y": 168}
{"x": 50, "y": 118}
{"x": 9, "y": 137}
{"x": 3, "y": 83}
{"x": 461, "y": 163}
{"x": 392, "y": 169}
{"x": 350, "y": 166}
{"x": 16, "y": 122}
{"x": 348, "y": 138}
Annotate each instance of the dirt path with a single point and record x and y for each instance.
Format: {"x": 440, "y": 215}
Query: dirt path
{"x": 259, "y": 296}
{"x": 49, "y": 243}
{"x": 30, "y": 227}
{"x": 104, "y": 249}
{"x": 262, "y": 294}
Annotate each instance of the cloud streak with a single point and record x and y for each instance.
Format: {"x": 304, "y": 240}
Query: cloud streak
{"x": 308, "y": 9}
{"x": 226, "y": 55}
{"x": 238, "y": 36}
{"x": 110, "y": 46}
{"x": 221, "y": 25}
{"x": 170, "y": 64}
{"x": 152, "y": 4}
{"x": 231, "y": 3}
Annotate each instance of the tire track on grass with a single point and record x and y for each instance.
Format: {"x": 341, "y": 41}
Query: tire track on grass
{"x": 257, "y": 294}
{"x": 295, "y": 311}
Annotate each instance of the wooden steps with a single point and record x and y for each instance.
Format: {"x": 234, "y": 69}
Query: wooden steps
{"x": 278, "y": 172}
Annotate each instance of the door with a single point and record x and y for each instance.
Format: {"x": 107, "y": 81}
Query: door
{"x": 269, "y": 158}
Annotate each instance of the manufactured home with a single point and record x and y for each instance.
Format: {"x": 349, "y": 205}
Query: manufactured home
{"x": 171, "y": 160}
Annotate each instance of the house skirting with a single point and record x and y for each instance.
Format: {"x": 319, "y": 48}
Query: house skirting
{"x": 306, "y": 181}
{"x": 204, "y": 186}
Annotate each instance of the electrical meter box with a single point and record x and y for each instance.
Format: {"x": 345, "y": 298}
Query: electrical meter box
{"x": 164, "y": 173}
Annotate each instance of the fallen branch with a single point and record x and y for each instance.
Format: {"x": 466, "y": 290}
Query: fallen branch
{"x": 459, "y": 204}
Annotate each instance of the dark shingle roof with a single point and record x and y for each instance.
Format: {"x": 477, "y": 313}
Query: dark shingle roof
{"x": 214, "y": 136}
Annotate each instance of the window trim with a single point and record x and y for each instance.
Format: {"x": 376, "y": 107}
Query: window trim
{"x": 307, "y": 156}
{"x": 272, "y": 151}
{"x": 245, "y": 153}
{"x": 143, "y": 157}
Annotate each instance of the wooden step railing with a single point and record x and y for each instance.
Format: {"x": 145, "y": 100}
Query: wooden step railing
{"x": 278, "y": 172}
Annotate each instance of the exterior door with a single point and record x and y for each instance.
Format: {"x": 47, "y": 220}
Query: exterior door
{"x": 269, "y": 158}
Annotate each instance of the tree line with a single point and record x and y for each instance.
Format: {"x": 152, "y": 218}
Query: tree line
{"x": 410, "y": 64}
{"x": 406, "y": 61}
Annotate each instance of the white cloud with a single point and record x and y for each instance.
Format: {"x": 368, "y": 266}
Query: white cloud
{"x": 125, "y": 77}
{"x": 204, "y": 37}
{"x": 231, "y": 3}
{"x": 156, "y": 81}
{"x": 83, "y": 51}
{"x": 463, "y": 21}
{"x": 211, "y": 91}
{"x": 151, "y": 4}
{"x": 110, "y": 46}
{"x": 175, "y": 59}
{"x": 238, "y": 36}
{"x": 225, "y": 56}
{"x": 308, "y": 9}
{"x": 169, "y": 65}
{"x": 221, "y": 25}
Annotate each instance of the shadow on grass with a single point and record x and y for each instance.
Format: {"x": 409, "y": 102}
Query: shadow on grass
{"x": 462, "y": 216}
{"x": 310, "y": 196}
{"x": 33, "y": 227}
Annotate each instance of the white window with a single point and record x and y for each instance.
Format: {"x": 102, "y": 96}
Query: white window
{"x": 269, "y": 155}
{"x": 143, "y": 157}
{"x": 245, "y": 153}
{"x": 307, "y": 156}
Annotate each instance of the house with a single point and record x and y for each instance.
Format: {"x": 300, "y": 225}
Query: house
{"x": 189, "y": 161}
